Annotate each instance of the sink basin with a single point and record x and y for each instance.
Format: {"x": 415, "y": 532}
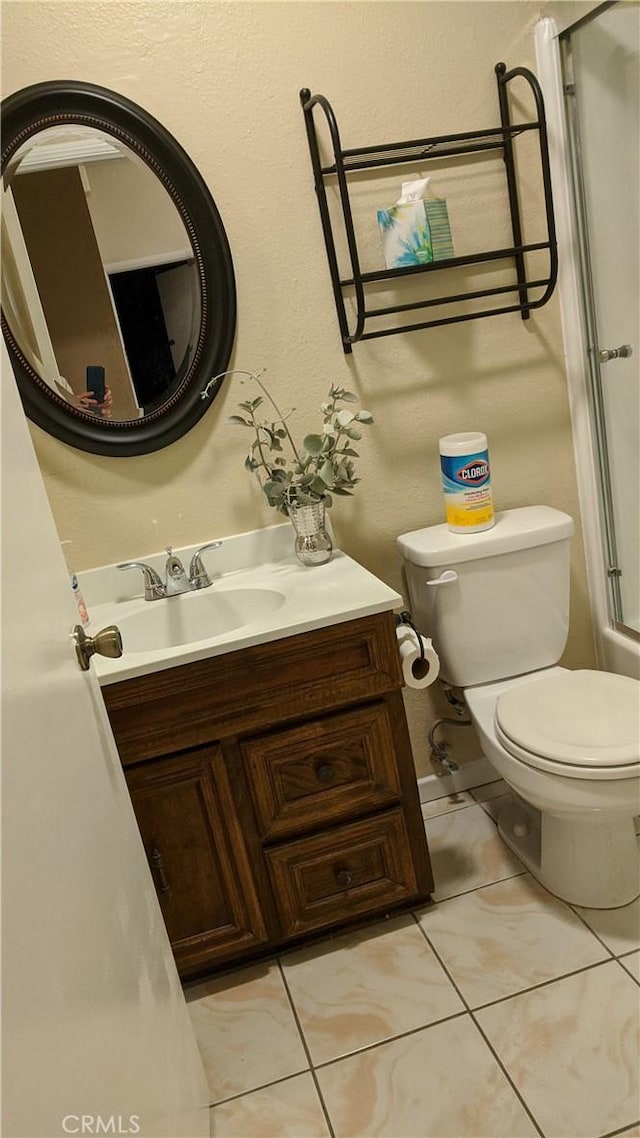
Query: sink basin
{"x": 193, "y": 617}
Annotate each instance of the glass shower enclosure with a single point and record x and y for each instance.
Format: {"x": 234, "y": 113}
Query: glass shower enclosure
{"x": 601, "y": 89}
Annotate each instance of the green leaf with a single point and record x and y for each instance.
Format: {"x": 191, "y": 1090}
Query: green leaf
{"x": 353, "y": 434}
{"x": 348, "y": 397}
{"x": 343, "y": 418}
{"x": 326, "y": 473}
{"x": 313, "y": 444}
{"x": 238, "y": 421}
{"x": 364, "y": 417}
{"x": 319, "y": 486}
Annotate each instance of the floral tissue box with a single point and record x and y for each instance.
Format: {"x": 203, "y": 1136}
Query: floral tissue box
{"x": 415, "y": 231}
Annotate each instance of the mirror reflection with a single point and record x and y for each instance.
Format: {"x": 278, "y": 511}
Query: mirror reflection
{"x": 100, "y": 286}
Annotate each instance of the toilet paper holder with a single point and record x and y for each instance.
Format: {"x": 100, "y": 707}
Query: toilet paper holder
{"x": 405, "y": 618}
{"x": 418, "y": 659}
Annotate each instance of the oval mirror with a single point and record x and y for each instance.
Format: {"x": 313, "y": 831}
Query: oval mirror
{"x": 118, "y": 292}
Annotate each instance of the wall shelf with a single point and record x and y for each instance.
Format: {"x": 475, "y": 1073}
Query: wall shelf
{"x": 418, "y": 151}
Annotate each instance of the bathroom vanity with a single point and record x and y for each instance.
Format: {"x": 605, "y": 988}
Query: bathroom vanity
{"x": 270, "y": 768}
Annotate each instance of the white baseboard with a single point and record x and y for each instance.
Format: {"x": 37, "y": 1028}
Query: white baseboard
{"x": 476, "y": 773}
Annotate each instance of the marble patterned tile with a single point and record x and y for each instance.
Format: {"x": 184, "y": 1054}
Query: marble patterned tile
{"x": 367, "y": 986}
{"x": 632, "y": 964}
{"x": 618, "y": 928}
{"x": 285, "y": 1110}
{"x": 446, "y": 805}
{"x": 467, "y": 852}
{"x": 246, "y": 1031}
{"x": 507, "y": 937}
{"x": 441, "y": 1081}
{"x": 571, "y": 1049}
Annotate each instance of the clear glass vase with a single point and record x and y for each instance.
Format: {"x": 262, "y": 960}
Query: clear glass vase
{"x": 313, "y": 545}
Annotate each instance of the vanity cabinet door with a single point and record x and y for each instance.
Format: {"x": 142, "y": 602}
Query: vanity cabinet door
{"x": 198, "y": 857}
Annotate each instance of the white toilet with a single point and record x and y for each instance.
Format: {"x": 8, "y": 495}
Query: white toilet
{"x": 496, "y": 605}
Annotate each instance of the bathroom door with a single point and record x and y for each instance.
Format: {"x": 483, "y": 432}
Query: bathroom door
{"x": 602, "y": 98}
{"x": 96, "y": 1033}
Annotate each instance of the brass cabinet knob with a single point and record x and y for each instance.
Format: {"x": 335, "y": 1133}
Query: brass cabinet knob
{"x": 107, "y": 642}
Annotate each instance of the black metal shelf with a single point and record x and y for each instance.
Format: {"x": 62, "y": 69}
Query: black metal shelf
{"x": 357, "y": 159}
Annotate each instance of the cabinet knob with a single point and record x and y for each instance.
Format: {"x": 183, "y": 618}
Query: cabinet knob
{"x": 325, "y": 773}
{"x": 344, "y": 877}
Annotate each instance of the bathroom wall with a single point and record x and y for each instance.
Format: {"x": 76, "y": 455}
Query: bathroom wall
{"x": 224, "y": 78}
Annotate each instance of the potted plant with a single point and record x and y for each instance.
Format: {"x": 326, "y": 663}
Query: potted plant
{"x": 300, "y": 479}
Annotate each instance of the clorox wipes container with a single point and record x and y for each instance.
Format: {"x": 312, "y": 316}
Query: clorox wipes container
{"x": 466, "y": 481}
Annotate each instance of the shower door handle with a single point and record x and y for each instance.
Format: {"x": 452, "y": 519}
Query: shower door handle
{"x": 621, "y": 353}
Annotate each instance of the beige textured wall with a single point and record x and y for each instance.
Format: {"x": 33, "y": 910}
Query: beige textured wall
{"x": 224, "y": 78}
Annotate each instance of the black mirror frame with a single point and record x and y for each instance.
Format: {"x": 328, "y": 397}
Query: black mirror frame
{"x": 43, "y": 105}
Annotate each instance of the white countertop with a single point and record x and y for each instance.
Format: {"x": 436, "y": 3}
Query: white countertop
{"x": 312, "y": 597}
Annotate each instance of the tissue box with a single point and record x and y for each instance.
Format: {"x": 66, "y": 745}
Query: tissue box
{"x": 406, "y": 236}
{"x": 439, "y": 228}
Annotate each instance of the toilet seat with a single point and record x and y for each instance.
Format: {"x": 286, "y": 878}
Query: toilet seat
{"x": 583, "y": 724}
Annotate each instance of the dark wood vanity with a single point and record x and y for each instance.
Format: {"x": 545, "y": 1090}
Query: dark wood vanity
{"x": 275, "y": 790}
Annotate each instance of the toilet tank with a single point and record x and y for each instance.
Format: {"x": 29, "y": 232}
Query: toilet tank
{"x": 496, "y": 604}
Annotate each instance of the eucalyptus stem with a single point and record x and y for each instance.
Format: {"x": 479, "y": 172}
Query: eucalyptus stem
{"x": 204, "y": 394}
{"x": 281, "y": 417}
{"x": 323, "y": 465}
{"x": 259, "y": 444}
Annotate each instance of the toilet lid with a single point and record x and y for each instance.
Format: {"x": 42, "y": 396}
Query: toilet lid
{"x": 588, "y": 719}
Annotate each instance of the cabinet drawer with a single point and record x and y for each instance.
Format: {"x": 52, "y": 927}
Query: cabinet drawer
{"x": 322, "y": 772}
{"x": 254, "y": 688}
{"x": 359, "y": 868}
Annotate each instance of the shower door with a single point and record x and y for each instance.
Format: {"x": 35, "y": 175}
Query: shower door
{"x": 602, "y": 98}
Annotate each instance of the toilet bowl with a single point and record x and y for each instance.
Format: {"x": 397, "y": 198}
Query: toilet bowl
{"x": 571, "y": 819}
{"x": 496, "y": 605}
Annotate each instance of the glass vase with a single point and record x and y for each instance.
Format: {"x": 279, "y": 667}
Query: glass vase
{"x": 312, "y": 545}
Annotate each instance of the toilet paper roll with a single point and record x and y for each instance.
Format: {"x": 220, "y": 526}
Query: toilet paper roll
{"x": 417, "y": 672}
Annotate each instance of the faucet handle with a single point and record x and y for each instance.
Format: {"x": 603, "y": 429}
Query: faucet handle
{"x": 153, "y": 586}
{"x": 198, "y": 575}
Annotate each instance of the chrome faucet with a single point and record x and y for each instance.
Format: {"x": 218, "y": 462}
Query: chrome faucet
{"x": 176, "y": 577}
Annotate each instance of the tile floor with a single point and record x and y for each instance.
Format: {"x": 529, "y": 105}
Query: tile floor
{"x": 497, "y": 1011}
